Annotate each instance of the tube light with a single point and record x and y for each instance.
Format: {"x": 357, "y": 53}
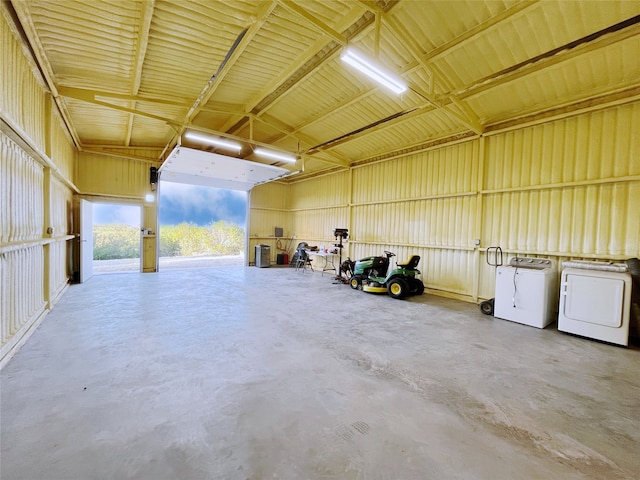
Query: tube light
{"x": 373, "y": 71}
{"x": 283, "y": 157}
{"x": 218, "y": 142}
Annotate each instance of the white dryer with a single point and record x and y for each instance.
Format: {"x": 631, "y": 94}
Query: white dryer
{"x": 595, "y": 301}
{"x": 527, "y": 291}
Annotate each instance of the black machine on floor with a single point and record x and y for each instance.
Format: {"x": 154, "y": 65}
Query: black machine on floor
{"x": 371, "y": 274}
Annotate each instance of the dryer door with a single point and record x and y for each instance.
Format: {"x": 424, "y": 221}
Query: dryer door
{"x": 594, "y": 299}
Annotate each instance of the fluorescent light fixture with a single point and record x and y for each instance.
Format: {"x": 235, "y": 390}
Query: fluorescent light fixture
{"x": 218, "y": 142}
{"x": 283, "y": 157}
{"x": 373, "y": 71}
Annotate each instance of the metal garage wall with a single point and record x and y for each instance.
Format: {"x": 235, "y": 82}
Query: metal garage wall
{"x": 22, "y": 96}
{"x": 22, "y": 299}
{"x": 423, "y": 204}
{"x": 268, "y": 208}
{"x": 319, "y": 205}
{"x": 37, "y": 160}
{"x": 113, "y": 176}
{"x": 568, "y": 188}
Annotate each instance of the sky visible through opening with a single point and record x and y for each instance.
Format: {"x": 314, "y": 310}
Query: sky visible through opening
{"x": 181, "y": 203}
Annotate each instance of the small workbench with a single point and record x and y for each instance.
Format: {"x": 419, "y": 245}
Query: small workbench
{"x": 329, "y": 260}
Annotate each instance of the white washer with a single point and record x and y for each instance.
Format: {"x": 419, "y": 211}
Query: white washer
{"x": 527, "y": 291}
{"x": 595, "y": 301}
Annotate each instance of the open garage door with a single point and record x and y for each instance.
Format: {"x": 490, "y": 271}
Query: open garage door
{"x": 206, "y": 169}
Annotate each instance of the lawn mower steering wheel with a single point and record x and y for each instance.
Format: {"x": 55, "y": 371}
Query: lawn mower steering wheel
{"x": 389, "y": 254}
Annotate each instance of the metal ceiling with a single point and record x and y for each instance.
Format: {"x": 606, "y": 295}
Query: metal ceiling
{"x": 132, "y": 74}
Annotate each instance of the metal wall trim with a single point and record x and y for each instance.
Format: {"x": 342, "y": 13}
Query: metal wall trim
{"x": 416, "y": 199}
{"x": 415, "y": 245}
{"x": 551, "y": 186}
{"x": 12, "y": 247}
{"x": 308, "y": 209}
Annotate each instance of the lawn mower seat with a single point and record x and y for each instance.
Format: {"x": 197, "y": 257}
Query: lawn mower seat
{"x": 411, "y": 264}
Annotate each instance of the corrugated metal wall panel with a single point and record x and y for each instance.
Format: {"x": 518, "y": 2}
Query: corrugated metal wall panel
{"x": 58, "y": 275}
{"x": 443, "y": 222}
{"x": 63, "y": 151}
{"x": 444, "y": 171}
{"x": 319, "y": 205}
{"x": 599, "y": 220}
{"x": 61, "y": 207}
{"x": 22, "y": 177}
{"x": 270, "y": 195}
{"x": 449, "y": 271}
{"x": 263, "y": 222}
{"x": 23, "y": 248}
{"x": 325, "y": 191}
{"x": 598, "y": 145}
{"x": 316, "y": 226}
{"x": 562, "y": 189}
{"x": 268, "y": 210}
{"x": 565, "y": 189}
{"x": 101, "y": 174}
{"x": 22, "y": 99}
{"x": 21, "y": 291}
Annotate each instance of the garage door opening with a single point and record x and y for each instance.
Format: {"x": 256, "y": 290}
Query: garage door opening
{"x": 201, "y": 226}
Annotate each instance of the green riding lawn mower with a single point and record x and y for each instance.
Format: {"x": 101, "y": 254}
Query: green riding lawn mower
{"x": 371, "y": 274}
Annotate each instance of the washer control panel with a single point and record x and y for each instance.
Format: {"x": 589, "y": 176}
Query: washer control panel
{"x": 531, "y": 262}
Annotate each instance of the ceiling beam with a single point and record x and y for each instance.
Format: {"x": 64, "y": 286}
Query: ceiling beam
{"x": 142, "y": 41}
{"x": 590, "y": 43}
{"x": 89, "y": 97}
{"x": 261, "y": 17}
{"x": 320, "y": 26}
{"x": 285, "y": 129}
{"x": 509, "y": 13}
{"x": 465, "y": 114}
{"x": 86, "y": 92}
{"x": 288, "y": 79}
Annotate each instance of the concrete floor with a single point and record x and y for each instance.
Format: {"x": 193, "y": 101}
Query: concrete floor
{"x": 255, "y": 373}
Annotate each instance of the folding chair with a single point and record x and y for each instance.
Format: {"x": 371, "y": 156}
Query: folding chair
{"x": 303, "y": 260}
